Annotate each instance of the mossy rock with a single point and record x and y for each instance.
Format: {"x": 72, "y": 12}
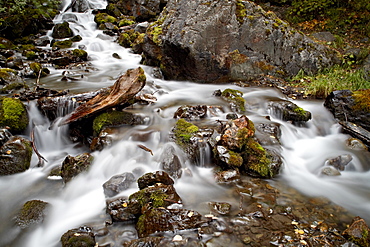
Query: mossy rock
{"x": 126, "y": 21}
{"x": 80, "y": 54}
{"x": 235, "y": 97}
{"x": 16, "y": 156}
{"x": 37, "y": 68}
{"x": 6, "y": 74}
{"x": 63, "y": 44}
{"x": 6, "y": 44}
{"x": 62, "y": 30}
{"x": 32, "y": 212}
{"x": 83, "y": 236}
{"x": 114, "y": 118}
{"x": 76, "y": 38}
{"x": 31, "y": 55}
{"x": 12, "y": 87}
{"x": 130, "y": 39}
{"x": 102, "y": 18}
{"x": 72, "y": 166}
{"x": 13, "y": 114}
{"x": 183, "y": 131}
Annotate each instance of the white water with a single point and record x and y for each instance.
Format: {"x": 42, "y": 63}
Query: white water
{"x": 82, "y": 200}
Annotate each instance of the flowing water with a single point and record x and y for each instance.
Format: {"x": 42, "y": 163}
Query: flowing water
{"x": 304, "y": 149}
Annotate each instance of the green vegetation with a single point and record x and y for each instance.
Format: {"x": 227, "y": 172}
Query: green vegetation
{"x": 155, "y": 30}
{"x": 113, "y": 118}
{"x": 184, "y": 131}
{"x": 334, "y": 78}
{"x": 13, "y": 114}
{"x": 130, "y": 38}
{"x": 19, "y": 18}
{"x": 236, "y": 97}
{"x": 240, "y": 11}
{"x": 102, "y": 18}
{"x": 362, "y": 100}
{"x": 63, "y": 44}
{"x": 337, "y": 16}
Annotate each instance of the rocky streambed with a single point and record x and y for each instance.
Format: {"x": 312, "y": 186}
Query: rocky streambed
{"x": 141, "y": 160}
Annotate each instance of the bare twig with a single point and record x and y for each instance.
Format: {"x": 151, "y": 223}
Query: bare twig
{"x": 41, "y": 158}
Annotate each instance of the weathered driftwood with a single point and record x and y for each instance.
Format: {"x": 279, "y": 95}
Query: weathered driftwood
{"x": 123, "y": 90}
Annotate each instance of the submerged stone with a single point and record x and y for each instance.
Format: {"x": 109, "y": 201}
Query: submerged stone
{"x": 32, "y": 212}
{"x": 288, "y": 111}
{"x": 16, "y": 155}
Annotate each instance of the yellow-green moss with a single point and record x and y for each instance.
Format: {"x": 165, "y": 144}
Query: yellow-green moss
{"x": 236, "y": 58}
{"x": 155, "y": 30}
{"x": 184, "y": 131}
{"x": 63, "y": 44}
{"x": 240, "y": 11}
{"x": 13, "y": 114}
{"x": 234, "y": 96}
{"x": 102, "y": 18}
{"x": 362, "y": 100}
{"x": 127, "y": 21}
{"x": 111, "y": 119}
{"x": 6, "y": 73}
{"x": 80, "y": 53}
{"x": 259, "y": 163}
{"x": 235, "y": 159}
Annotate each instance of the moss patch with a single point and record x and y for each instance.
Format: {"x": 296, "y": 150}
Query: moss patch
{"x": 184, "y": 131}
{"x": 234, "y": 96}
{"x": 13, "y": 114}
{"x": 102, "y": 18}
{"x": 241, "y": 11}
{"x": 362, "y": 100}
{"x": 113, "y": 118}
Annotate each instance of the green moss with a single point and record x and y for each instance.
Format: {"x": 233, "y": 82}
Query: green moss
{"x": 362, "y": 100}
{"x": 235, "y": 159}
{"x": 184, "y": 131}
{"x": 13, "y": 86}
{"x": 63, "y": 44}
{"x": 102, "y": 18}
{"x": 13, "y": 114}
{"x": 76, "y": 38}
{"x": 258, "y": 163}
{"x": 5, "y": 73}
{"x": 31, "y": 55}
{"x": 155, "y": 30}
{"x": 127, "y": 21}
{"x": 240, "y": 11}
{"x": 111, "y": 119}
{"x": 80, "y": 54}
{"x": 234, "y": 96}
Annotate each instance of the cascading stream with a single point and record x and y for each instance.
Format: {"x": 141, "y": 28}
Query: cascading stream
{"x": 305, "y": 149}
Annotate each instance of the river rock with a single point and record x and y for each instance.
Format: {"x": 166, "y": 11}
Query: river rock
{"x": 72, "y": 166}
{"x": 13, "y": 114}
{"x": 78, "y": 237}
{"x": 358, "y": 232}
{"x": 80, "y": 6}
{"x": 120, "y": 210}
{"x": 162, "y": 220}
{"x": 221, "y": 208}
{"x": 229, "y": 176}
{"x": 118, "y": 183}
{"x": 237, "y": 148}
{"x": 170, "y": 162}
{"x": 32, "y": 212}
{"x": 191, "y": 112}
{"x": 357, "y": 132}
{"x": 216, "y": 41}
{"x": 288, "y": 111}
{"x": 15, "y": 155}
{"x": 340, "y": 161}
{"x": 348, "y": 106}
{"x": 62, "y": 31}
{"x": 330, "y": 171}
{"x": 153, "y": 178}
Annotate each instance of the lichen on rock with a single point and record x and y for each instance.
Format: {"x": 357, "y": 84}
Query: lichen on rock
{"x": 13, "y": 114}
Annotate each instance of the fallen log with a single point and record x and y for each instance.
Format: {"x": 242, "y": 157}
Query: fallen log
{"x": 123, "y": 90}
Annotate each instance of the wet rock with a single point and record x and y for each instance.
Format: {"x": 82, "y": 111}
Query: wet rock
{"x": 118, "y": 183}
{"x": 113, "y": 118}
{"x": 156, "y": 196}
{"x": 355, "y": 144}
{"x": 246, "y": 42}
{"x": 227, "y": 176}
{"x": 170, "y": 162}
{"x": 288, "y": 111}
{"x": 191, "y": 113}
{"x": 348, "y": 106}
{"x": 78, "y": 237}
{"x": 120, "y": 210}
{"x": 141, "y": 27}
{"x": 80, "y": 6}
{"x": 13, "y": 114}
{"x": 15, "y": 155}
{"x": 5, "y": 136}
{"x": 235, "y": 97}
{"x": 62, "y": 30}
{"x": 8, "y": 76}
{"x": 222, "y": 208}
{"x": 339, "y": 162}
{"x": 357, "y": 132}
{"x": 42, "y": 41}
{"x": 72, "y": 166}
{"x": 268, "y": 134}
{"x": 161, "y": 220}
{"x": 148, "y": 241}
{"x": 150, "y": 179}
{"x": 358, "y": 232}
{"x": 330, "y": 171}
{"x": 32, "y": 212}
{"x": 238, "y": 149}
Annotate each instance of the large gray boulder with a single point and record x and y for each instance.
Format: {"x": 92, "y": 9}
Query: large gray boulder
{"x": 216, "y": 41}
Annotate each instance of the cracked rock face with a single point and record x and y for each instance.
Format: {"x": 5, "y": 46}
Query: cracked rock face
{"x": 228, "y": 40}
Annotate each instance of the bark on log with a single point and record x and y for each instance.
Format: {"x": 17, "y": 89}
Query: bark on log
{"x": 123, "y": 90}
